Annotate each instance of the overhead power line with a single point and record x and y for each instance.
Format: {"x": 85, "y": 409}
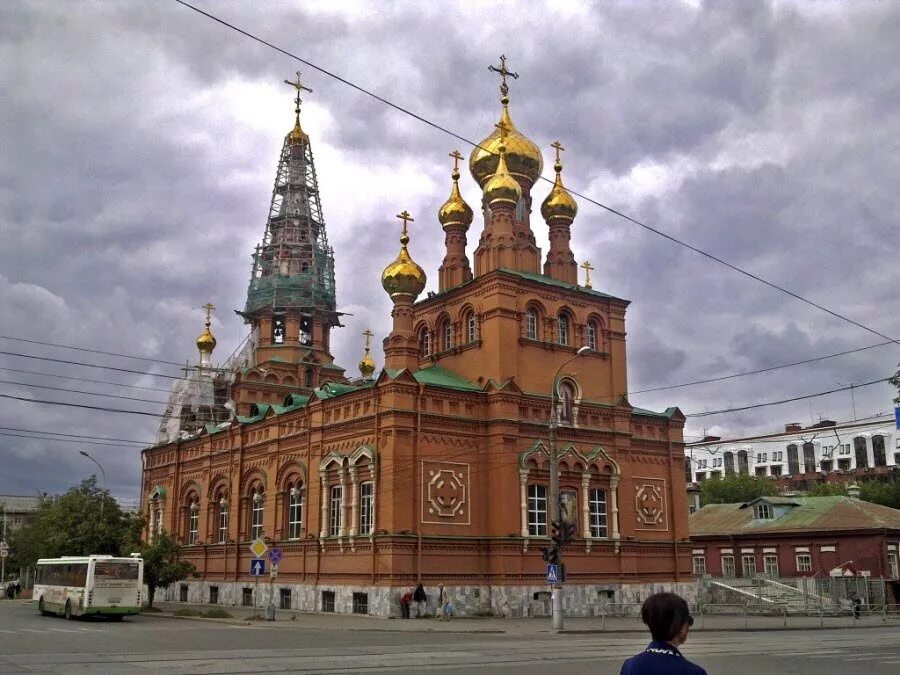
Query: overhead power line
{"x": 761, "y": 370}
{"x": 57, "y": 433}
{"x": 786, "y": 400}
{"x": 84, "y": 379}
{"x": 90, "y": 365}
{"x": 92, "y": 351}
{"x": 82, "y": 405}
{"x": 81, "y": 391}
{"x": 609, "y": 209}
{"x": 72, "y": 440}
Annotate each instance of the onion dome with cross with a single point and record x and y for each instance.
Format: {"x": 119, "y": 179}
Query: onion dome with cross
{"x": 403, "y": 276}
{"x": 559, "y": 204}
{"x": 523, "y": 157}
{"x": 455, "y": 211}
{"x": 206, "y": 343}
{"x": 297, "y": 135}
{"x": 502, "y": 188}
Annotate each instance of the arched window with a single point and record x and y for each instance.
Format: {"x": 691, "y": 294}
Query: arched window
{"x": 337, "y": 503}
{"x": 597, "y": 503}
{"x": 193, "y": 524}
{"x": 366, "y": 507}
{"x": 793, "y": 460}
{"x": 447, "y": 334}
{"x": 566, "y": 402}
{"x": 859, "y": 448}
{"x": 729, "y": 463}
{"x": 531, "y": 324}
{"x": 562, "y": 330}
{"x": 471, "y": 327}
{"x": 295, "y": 510}
{"x": 592, "y": 335}
{"x": 257, "y": 502}
{"x": 222, "y": 520}
{"x": 309, "y": 380}
{"x": 809, "y": 457}
{"x": 425, "y": 342}
{"x": 743, "y": 464}
{"x": 878, "y": 450}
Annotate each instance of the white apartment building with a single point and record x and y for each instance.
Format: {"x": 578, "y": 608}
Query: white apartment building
{"x": 857, "y": 448}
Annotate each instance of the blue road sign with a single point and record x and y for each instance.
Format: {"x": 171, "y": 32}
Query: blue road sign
{"x": 257, "y": 567}
{"x": 552, "y": 574}
{"x": 275, "y": 555}
{"x": 897, "y": 417}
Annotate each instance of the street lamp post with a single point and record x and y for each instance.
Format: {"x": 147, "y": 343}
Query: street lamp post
{"x": 556, "y": 596}
{"x": 103, "y": 474}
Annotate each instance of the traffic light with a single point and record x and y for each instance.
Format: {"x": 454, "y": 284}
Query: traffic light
{"x": 569, "y": 531}
{"x": 557, "y": 532}
{"x": 551, "y": 554}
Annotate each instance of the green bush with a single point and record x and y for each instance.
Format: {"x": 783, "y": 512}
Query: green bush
{"x": 218, "y": 613}
{"x": 188, "y": 612}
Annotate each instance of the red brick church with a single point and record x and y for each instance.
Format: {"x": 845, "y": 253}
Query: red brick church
{"x": 434, "y": 468}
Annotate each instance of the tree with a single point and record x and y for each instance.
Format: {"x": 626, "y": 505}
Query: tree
{"x": 879, "y": 492}
{"x": 735, "y": 488}
{"x": 161, "y": 565}
{"x": 827, "y": 490}
{"x": 84, "y": 521}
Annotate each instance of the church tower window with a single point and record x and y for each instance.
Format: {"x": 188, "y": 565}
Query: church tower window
{"x": 425, "y": 342}
{"x": 592, "y": 335}
{"x": 471, "y": 327}
{"x": 309, "y": 380}
{"x": 531, "y": 324}
{"x": 566, "y": 402}
{"x": 278, "y": 329}
{"x": 447, "y": 333}
{"x": 562, "y": 336}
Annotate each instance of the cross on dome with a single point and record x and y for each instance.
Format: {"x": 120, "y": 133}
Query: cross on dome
{"x": 503, "y": 72}
{"x": 588, "y": 268}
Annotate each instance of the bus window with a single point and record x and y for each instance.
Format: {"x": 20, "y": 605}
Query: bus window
{"x": 115, "y": 571}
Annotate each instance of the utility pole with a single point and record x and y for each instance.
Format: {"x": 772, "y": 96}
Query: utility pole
{"x": 3, "y": 540}
{"x": 103, "y": 474}
{"x": 852, "y": 396}
{"x": 555, "y": 594}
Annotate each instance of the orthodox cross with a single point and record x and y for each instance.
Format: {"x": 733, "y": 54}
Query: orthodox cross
{"x": 456, "y": 155}
{"x": 586, "y": 266}
{"x": 368, "y": 335}
{"x": 298, "y": 85}
{"x": 502, "y": 70}
{"x": 406, "y": 218}
{"x": 556, "y": 145}
{"x": 209, "y": 308}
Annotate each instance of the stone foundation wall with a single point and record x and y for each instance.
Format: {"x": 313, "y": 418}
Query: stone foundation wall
{"x": 499, "y": 601}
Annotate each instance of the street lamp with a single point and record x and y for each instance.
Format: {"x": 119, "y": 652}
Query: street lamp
{"x": 103, "y": 474}
{"x": 556, "y": 597}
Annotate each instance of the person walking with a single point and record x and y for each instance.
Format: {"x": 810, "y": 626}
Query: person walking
{"x": 419, "y": 596}
{"x": 405, "y": 602}
{"x": 669, "y": 620}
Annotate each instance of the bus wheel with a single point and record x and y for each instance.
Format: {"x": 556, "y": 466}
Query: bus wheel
{"x": 41, "y": 609}
{"x": 68, "y": 611}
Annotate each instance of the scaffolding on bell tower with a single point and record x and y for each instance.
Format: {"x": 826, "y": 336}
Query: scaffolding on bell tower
{"x": 293, "y": 266}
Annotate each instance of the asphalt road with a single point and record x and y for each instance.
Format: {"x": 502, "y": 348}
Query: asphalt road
{"x": 31, "y": 643}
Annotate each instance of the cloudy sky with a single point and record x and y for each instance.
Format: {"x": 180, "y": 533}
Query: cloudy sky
{"x": 140, "y": 142}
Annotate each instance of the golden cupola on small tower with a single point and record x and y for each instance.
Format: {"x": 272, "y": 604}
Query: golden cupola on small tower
{"x": 404, "y": 276}
{"x": 523, "y": 157}
{"x": 502, "y": 188}
{"x": 403, "y": 280}
{"x": 559, "y": 210}
{"x": 206, "y": 343}
{"x": 367, "y": 364}
{"x": 559, "y": 203}
{"x": 455, "y": 217}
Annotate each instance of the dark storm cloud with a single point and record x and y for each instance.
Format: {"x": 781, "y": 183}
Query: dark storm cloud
{"x": 141, "y": 140}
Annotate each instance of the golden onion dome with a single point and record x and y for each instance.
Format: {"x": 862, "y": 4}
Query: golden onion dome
{"x": 206, "y": 342}
{"x": 502, "y": 188}
{"x": 523, "y": 157}
{"x": 455, "y": 211}
{"x": 297, "y": 135}
{"x": 367, "y": 366}
{"x": 559, "y": 204}
{"x": 403, "y": 276}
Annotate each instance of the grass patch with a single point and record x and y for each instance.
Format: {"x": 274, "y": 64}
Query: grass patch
{"x": 218, "y": 613}
{"x": 187, "y": 612}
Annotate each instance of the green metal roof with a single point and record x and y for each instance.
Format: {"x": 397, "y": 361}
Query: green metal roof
{"x": 810, "y": 513}
{"x": 650, "y": 413}
{"x": 438, "y": 376}
{"x": 549, "y": 281}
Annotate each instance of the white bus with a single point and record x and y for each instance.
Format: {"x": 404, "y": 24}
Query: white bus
{"x": 101, "y": 585}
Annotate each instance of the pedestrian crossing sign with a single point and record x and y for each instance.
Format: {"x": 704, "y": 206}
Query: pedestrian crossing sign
{"x": 552, "y": 574}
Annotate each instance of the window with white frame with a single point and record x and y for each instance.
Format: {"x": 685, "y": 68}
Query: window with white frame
{"x": 597, "y": 506}
{"x": 728, "y": 566}
{"x": 770, "y": 565}
{"x": 425, "y": 342}
{"x": 531, "y": 324}
{"x": 537, "y": 510}
{"x": 804, "y": 562}
{"x": 762, "y": 511}
{"x": 256, "y": 513}
{"x": 366, "y": 513}
{"x": 699, "y": 565}
{"x": 223, "y": 520}
{"x": 562, "y": 332}
{"x": 592, "y": 335}
{"x": 193, "y": 521}
{"x": 447, "y": 330}
{"x": 158, "y": 518}
{"x": 893, "y": 565}
{"x": 295, "y": 511}
{"x": 748, "y": 566}
{"x": 471, "y": 327}
{"x": 334, "y": 520}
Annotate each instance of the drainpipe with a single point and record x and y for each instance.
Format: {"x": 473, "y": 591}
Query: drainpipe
{"x": 416, "y": 492}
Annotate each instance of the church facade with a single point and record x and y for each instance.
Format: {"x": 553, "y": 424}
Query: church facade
{"x": 435, "y": 468}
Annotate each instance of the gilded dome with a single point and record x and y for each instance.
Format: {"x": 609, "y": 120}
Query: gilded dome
{"x": 297, "y": 135}
{"x": 403, "y": 276}
{"x": 523, "y": 157}
{"x": 455, "y": 211}
{"x": 206, "y": 342}
{"x": 367, "y": 366}
{"x": 559, "y": 204}
{"x": 502, "y": 188}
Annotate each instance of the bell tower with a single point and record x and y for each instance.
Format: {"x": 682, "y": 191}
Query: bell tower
{"x": 291, "y": 304}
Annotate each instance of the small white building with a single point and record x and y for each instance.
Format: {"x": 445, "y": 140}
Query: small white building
{"x": 857, "y": 449}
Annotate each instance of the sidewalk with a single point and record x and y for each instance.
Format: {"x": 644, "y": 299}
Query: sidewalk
{"x": 326, "y": 621}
